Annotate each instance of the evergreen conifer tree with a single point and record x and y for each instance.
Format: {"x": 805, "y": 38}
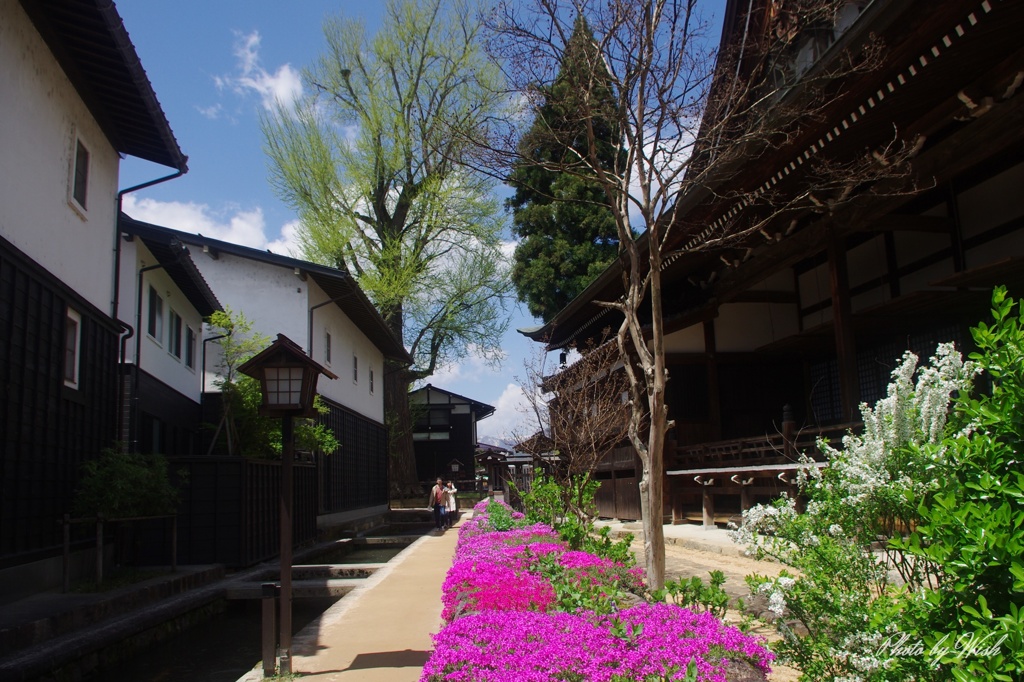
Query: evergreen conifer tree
{"x": 566, "y": 230}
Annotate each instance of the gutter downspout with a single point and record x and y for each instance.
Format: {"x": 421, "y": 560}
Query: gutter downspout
{"x": 134, "y": 425}
{"x": 115, "y": 301}
{"x": 309, "y": 338}
{"x": 117, "y": 233}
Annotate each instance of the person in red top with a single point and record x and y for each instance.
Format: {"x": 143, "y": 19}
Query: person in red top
{"x": 437, "y": 501}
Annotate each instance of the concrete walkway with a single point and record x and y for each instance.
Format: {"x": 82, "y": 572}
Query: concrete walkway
{"x": 380, "y": 632}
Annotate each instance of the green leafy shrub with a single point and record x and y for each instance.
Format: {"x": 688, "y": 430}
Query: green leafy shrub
{"x": 569, "y": 508}
{"x": 120, "y": 485}
{"x": 697, "y": 596}
{"x": 911, "y": 551}
{"x": 971, "y": 529}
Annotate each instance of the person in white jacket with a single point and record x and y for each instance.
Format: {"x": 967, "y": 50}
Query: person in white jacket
{"x": 437, "y": 502}
{"x": 449, "y": 502}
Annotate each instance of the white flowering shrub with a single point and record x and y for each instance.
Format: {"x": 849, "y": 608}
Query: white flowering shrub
{"x": 851, "y": 586}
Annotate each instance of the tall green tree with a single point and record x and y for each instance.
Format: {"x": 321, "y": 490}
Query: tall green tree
{"x": 566, "y": 229}
{"x": 375, "y": 161}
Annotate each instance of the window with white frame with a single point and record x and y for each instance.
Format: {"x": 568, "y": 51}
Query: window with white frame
{"x": 355, "y": 368}
{"x": 174, "y": 334}
{"x": 155, "y": 321}
{"x": 327, "y": 347}
{"x": 72, "y": 347}
{"x": 371, "y": 381}
{"x": 78, "y": 187}
{"x": 190, "y": 347}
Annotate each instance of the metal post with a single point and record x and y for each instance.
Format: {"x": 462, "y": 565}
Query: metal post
{"x": 287, "y": 456}
{"x": 269, "y": 594}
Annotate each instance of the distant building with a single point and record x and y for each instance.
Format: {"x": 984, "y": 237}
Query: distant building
{"x": 165, "y": 298}
{"x": 444, "y": 433}
{"x": 324, "y": 311}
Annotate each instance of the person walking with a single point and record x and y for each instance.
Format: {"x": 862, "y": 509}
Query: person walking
{"x": 437, "y": 502}
{"x": 450, "y": 504}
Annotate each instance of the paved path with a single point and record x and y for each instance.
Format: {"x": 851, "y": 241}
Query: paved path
{"x": 380, "y": 632}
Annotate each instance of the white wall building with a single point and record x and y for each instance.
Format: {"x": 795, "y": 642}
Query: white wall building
{"x": 324, "y": 311}
{"x": 73, "y": 97}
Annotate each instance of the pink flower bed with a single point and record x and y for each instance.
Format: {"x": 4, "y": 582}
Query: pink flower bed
{"x": 473, "y": 586}
{"x": 528, "y": 646}
{"x": 503, "y": 622}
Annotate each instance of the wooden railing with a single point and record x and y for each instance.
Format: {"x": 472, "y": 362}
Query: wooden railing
{"x": 768, "y": 449}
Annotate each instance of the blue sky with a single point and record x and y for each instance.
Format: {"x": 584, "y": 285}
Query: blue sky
{"x": 214, "y": 66}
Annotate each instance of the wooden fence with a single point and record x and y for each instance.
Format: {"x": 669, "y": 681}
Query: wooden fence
{"x": 229, "y": 512}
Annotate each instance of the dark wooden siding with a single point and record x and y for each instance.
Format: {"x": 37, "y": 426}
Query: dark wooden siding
{"x": 167, "y": 422}
{"x": 356, "y": 476}
{"x": 46, "y": 429}
{"x": 434, "y": 456}
{"x": 230, "y": 510}
{"x": 618, "y": 474}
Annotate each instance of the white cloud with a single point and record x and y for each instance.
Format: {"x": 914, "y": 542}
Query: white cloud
{"x": 512, "y": 417}
{"x": 282, "y": 87}
{"x": 235, "y": 225}
{"x": 508, "y": 249}
{"x": 212, "y": 112}
{"x": 288, "y": 243}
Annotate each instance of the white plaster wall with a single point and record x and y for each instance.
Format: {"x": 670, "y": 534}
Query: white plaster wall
{"x": 157, "y": 358}
{"x": 277, "y": 301}
{"x": 743, "y": 327}
{"x": 40, "y": 116}
{"x": 689, "y": 340}
{"x": 347, "y": 340}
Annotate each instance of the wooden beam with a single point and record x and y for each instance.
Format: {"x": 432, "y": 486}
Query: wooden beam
{"x": 755, "y": 296}
{"x": 895, "y": 222}
{"x": 842, "y": 319}
{"x": 714, "y": 395}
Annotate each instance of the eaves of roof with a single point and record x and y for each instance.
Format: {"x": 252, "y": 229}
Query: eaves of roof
{"x": 338, "y": 284}
{"x": 91, "y": 44}
{"x": 174, "y": 256}
{"x": 481, "y": 410}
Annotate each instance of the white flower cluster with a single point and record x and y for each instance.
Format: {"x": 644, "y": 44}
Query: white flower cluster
{"x": 909, "y": 414}
{"x": 776, "y": 590}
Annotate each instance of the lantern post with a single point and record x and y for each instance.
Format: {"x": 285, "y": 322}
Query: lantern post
{"x": 288, "y": 380}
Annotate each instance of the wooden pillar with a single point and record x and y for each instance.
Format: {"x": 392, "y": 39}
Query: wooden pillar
{"x": 714, "y": 398}
{"x": 708, "y": 500}
{"x": 788, "y": 433}
{"x": 745, "y": 498}
{"x": 842, "y": 321}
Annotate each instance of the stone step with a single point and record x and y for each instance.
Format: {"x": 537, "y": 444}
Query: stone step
{"x": 301, "y": 589}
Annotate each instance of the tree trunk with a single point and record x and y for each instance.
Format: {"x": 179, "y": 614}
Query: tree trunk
{"x": 398, "y": 418}
{"x": 654, "y": 531}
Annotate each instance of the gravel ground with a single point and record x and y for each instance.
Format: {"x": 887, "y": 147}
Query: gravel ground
{"x": 682, "y": 562}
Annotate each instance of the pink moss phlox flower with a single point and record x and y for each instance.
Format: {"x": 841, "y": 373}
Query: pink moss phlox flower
{"x": 484, "y": 586}
{"x": 667, "y": 637}
{"x": 470, "y": 544}
{"x": 548, "y": 647}
{"x": 521, "y": 646}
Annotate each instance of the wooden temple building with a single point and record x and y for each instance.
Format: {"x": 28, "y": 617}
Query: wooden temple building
{"x": 777, "y": 338}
